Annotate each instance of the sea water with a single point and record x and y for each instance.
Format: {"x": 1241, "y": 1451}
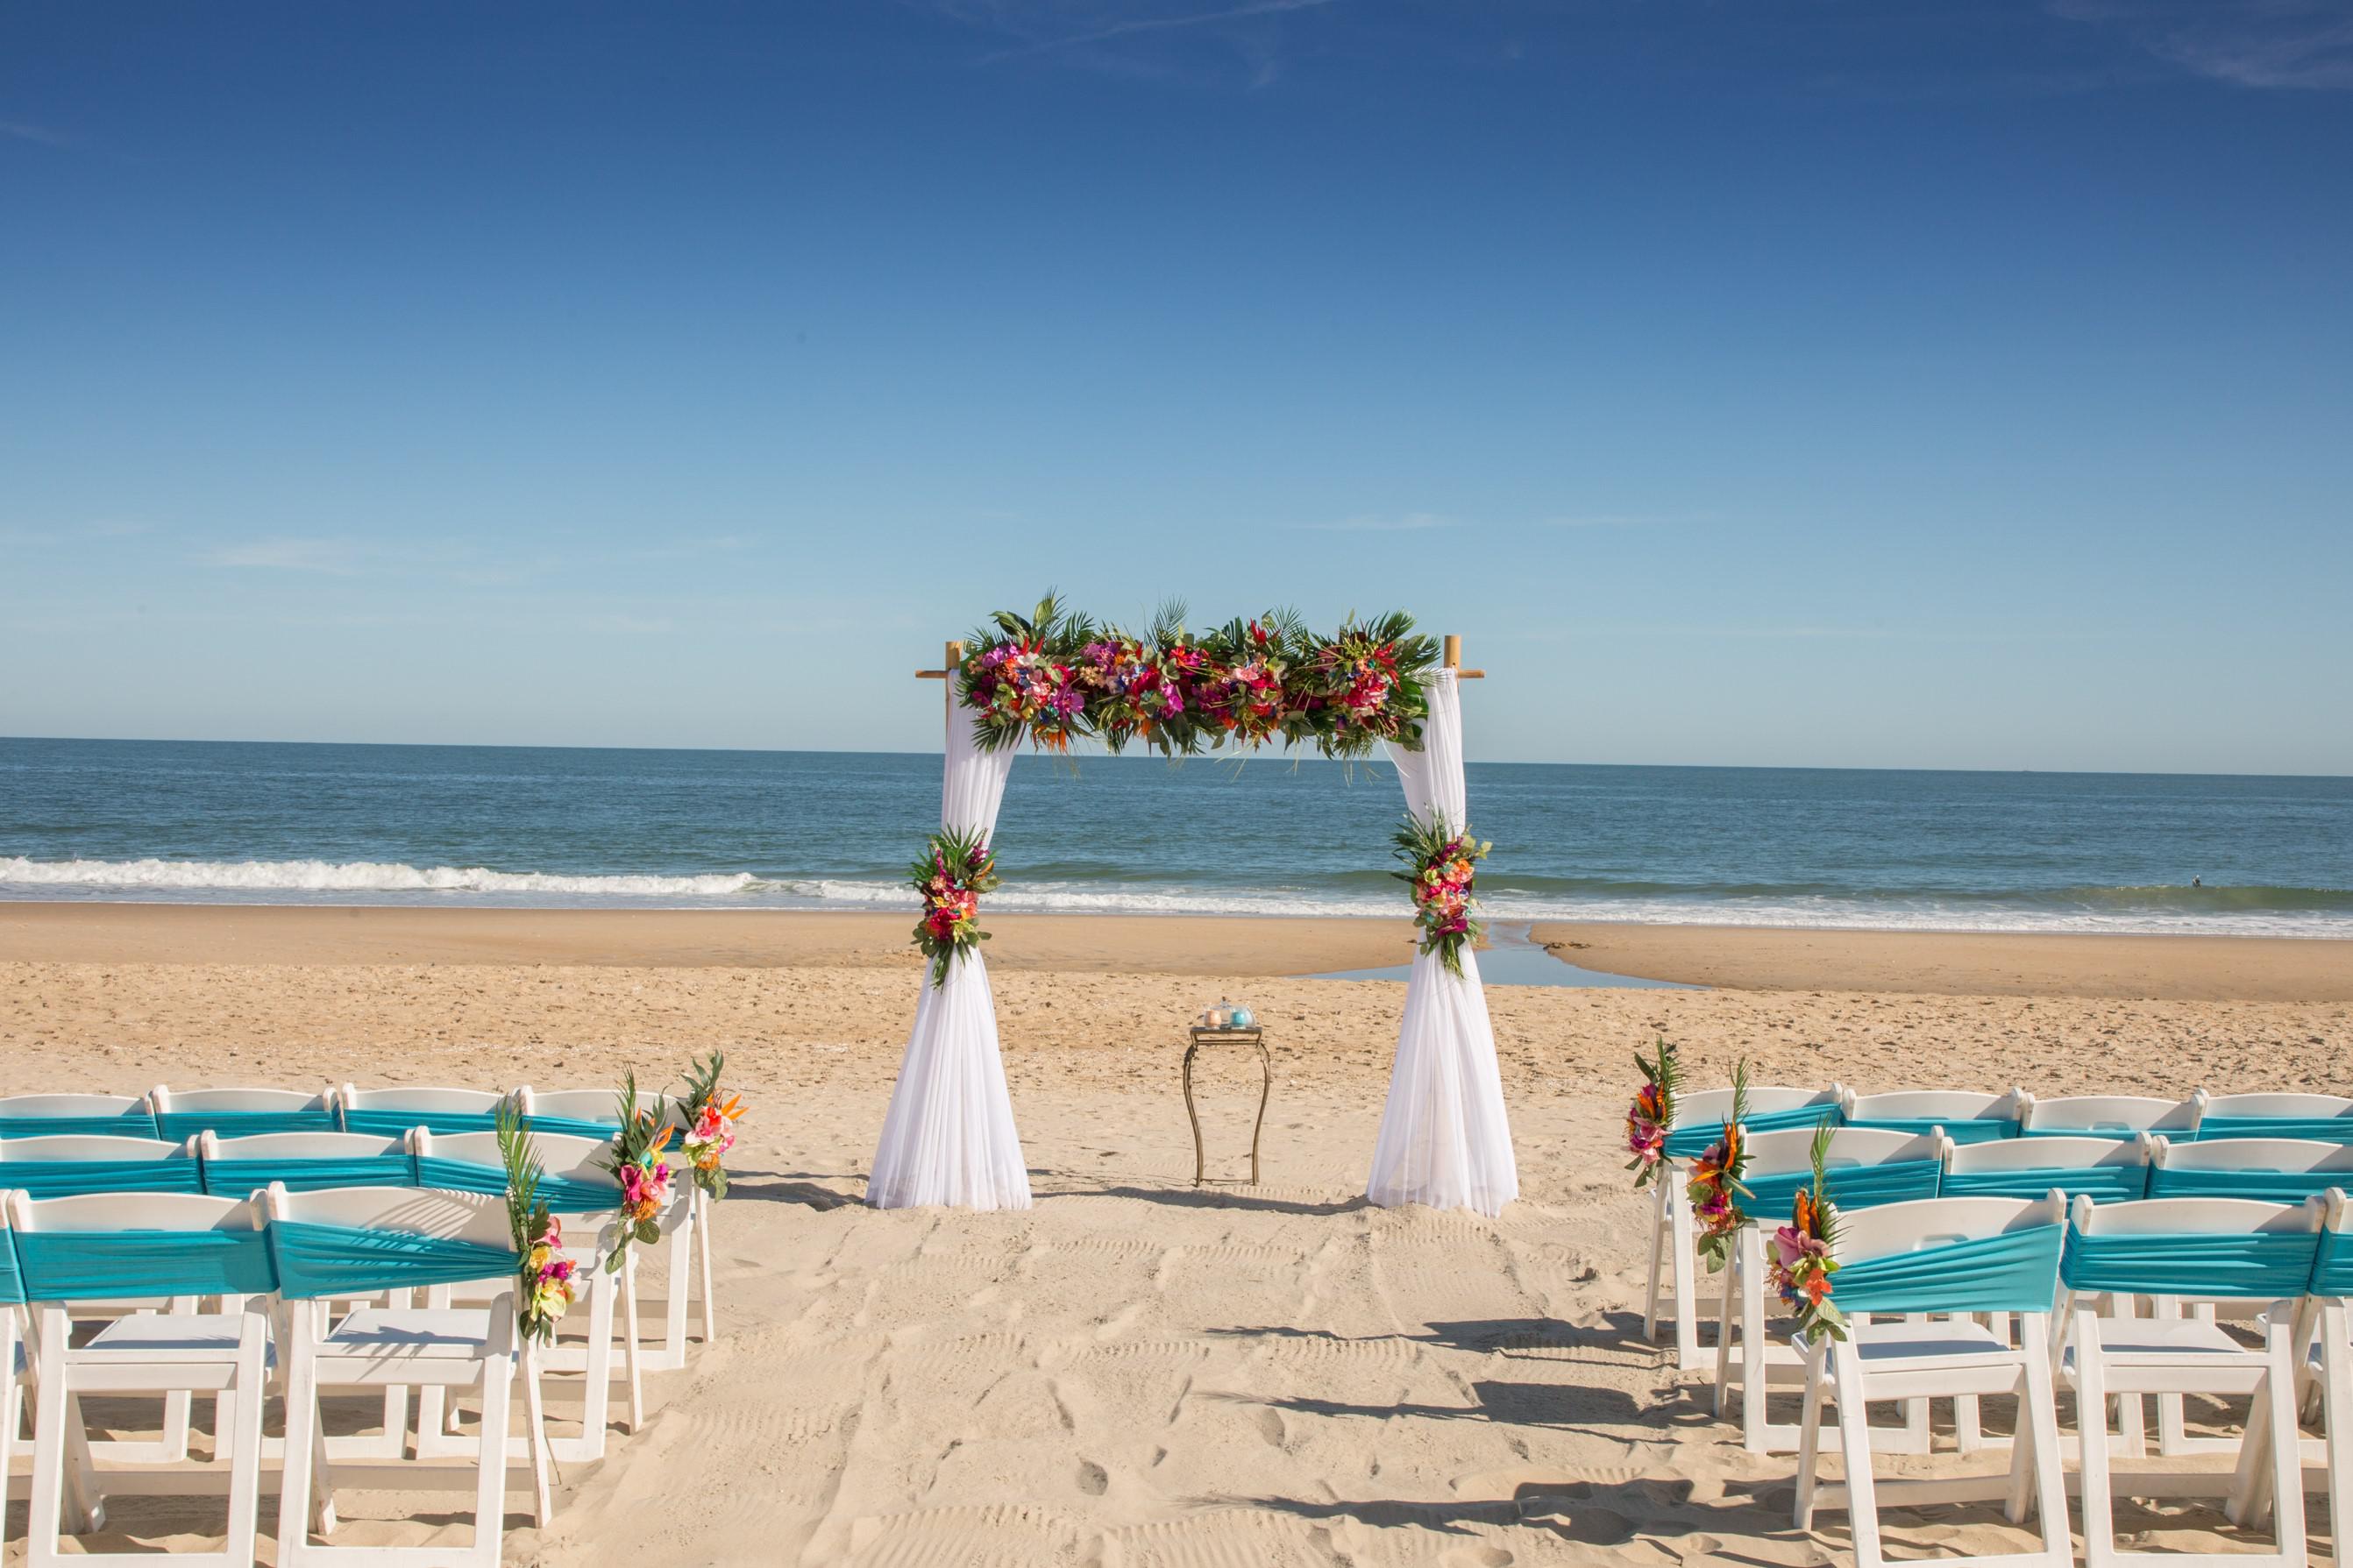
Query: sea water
{"x": 484, "y": 825}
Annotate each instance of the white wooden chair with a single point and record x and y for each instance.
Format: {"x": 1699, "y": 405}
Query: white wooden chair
{"x": 1963, "y": 1115}
{"x": 1905, "y": 1262}
{"x": 2175, "y": 1249}
{"x": 1866, "y": 1166}
{"x": 2326, "y": 1336}
{"x": 2328, "y": 1118}
{"x": 335, "y": 1242}
{"x": 586, "y": 1200}
{"x": 1699, "y": 1118}
{"x": 150, "y": 1246}
{"x": 2123, "y": 1116}
{"x": 391, "y": 1112}
{"x": 239, "y": 1112}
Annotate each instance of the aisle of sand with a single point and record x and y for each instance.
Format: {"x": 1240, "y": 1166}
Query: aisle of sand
{"x": 1134, "y": 1372}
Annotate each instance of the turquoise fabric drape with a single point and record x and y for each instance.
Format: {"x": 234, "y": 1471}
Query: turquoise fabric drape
{"x": 2017, "y": 1272}
{"x": 561, "y": 1193}
{"x": 1850, "y": 1186}
{"x": 1687, "y": 1142}
{"x": 2269, "y": 1186}
{"x": 2332, "y": 1266}
{"x": 315, "y": 1260}
{"x": 1960, "y": 1131}
{"x": 71, "y": 1178}
{"x": 179, "y": 1125}
{"x": 393, "y": 1123}
{"x": 129, "y": 1125}
{"x": 2322, "y": 1129}
{"x": 2263, "y": 1267}
{"x": 2104, "y": 1184}
{"x": 237, "y": 1178}
{"x": 80, "y": 1266}
{"x": 11, "y": 1284}
{"x": 575, "y": 1127}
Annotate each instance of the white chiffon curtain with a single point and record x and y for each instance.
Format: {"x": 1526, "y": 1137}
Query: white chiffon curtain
{"x": 949, "y": 1137}
{"x": 1444, "y": 1140}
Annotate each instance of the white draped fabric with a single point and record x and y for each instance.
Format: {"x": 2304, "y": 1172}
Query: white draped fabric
{"x": 1444, "y": 1140}
{"x": 949, "y": 1137}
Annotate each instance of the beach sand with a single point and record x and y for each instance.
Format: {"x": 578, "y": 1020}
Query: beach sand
{"x": 1135, "y": 1371}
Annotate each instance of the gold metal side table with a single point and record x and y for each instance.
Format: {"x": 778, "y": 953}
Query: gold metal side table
{"x": 1255, "y": 1036}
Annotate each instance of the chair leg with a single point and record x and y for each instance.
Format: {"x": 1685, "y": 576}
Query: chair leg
{"x": 1724, "y": 1336}
{"x": 680, "y": 1271}
{"x": 1683, "y": 1240}
{"x": 1809, "y": 1435}
{"x": 2337, "y": 1411}
{"x": 597, "y": 1396}
{"x": 534, "y": 1439}
{"x": 44, "y": 1523}
{"x": 1658, "y": 1261}
{"x": 2038, "y": 1425}
{"x": 299, "y": 1453}
{"x": 12, "y": 1404}
{"x": 240, "y": 1435}
{"x": 1752, "y": 1348}
{"x": 490, "y": 1483}
{"x": 2278, "y": 1395}
{"x": 2132, "y": 1433}
{"x": 704, "y": 1204}
{"x": 2092, "y": 1444}
{"x": 1854, "y": 1446}
{"x": 633, "y": 1346}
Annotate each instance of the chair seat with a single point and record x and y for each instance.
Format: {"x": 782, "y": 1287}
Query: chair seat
{"x": 456, "y": 1333}
{"x": 1880, "y": 1345}
{"x": 170, "y": 1337}
{"x": 2149, "y": 1339}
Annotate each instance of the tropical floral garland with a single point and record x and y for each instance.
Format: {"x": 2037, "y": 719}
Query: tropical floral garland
{"x": 1653, "y": 1112}
{"x": 1055, "y": 677}
{"x": 1805, "y": 1252}
{"x": 543, "y": 1276}
{"x": 950, "y": 878}
{"x": 1715, "y": 1187}
{"x": 1440, "y": 860}
{"x": 709, "y": 1115}
{"x": 636, "y": 1162}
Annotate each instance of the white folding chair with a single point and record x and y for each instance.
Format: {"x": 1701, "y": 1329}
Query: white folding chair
{"x": 2173, "y": 1249}
{"x": 1699, "y": 1118}
{"x": 2125, "y": 1116}
{"x": 339, "y": 1242}
{"x": 391, "y": 1112}
{"x": 1866, "y": 1166}
{"x": 2326, "y": 1336}
{"x": 1963, "y": 1115}
{"x": 586, "y": 1200}
{"x": 152, "y": 1247}
{"x": 2328, "y": 1118}
{"x": 239, "y": 1112}
{"x": 15, "y": 1372}
{"x": 1951, "y": 1260}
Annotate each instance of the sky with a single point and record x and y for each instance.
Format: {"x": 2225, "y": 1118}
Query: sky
{"x": 1830, "y": 383}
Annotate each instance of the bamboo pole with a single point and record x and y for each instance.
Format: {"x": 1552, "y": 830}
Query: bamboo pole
{"x": 951, "y": 661}
{"x": 1452, "y": 659}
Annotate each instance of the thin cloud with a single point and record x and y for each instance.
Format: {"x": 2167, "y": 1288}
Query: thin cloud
{"x": 334, "y": 557}
{"x": 1132, "y": 27}
{"x": 41, "y": 135}
{"x": 2305, "y": 45}
{"x": 1411, "y": 523}
{"x": 1621, "y": 519}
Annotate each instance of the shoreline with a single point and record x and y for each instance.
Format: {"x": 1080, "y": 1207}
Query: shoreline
{"x": 1739, "y": 958}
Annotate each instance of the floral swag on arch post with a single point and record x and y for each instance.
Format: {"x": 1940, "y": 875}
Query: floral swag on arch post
{"x": 1056, "y": 676}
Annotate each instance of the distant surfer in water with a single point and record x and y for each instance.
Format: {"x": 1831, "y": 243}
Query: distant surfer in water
{"x": 2197, "y": 882}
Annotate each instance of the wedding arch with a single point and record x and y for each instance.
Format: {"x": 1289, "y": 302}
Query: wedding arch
{"x": 1052, "y": 677}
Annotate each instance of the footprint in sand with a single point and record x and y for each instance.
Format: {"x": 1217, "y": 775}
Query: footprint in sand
{"x": 1269, "y": 1423}
{"x": 1093, "y": 1480}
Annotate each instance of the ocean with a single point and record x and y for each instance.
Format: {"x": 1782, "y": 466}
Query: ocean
{"x": 494, "y": 826}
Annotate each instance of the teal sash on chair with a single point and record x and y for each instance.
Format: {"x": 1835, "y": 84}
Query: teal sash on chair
{"x": 316, "y": 1260}
{"x": 180, "y": 1125}
{"x": 2269, "y": 1186}
{"x": 11, "y": 1284}
{"x": 80, "y": 1266}
{"x": 2102, "y": 1184}
{"x": 562, "y": 1195}
{"x": 1770, "y": 1198}
{"x": 393, "y": 1123}
{"x": 2320, "y": 1129}
{"x": 2017, "y": 1272}
{"x": 1970, "y": 1131}
{"x": 2332, "y": 1268}
{"x": 573, "y": 1127}
{"x": 134, "y": 1123}
{"x": 73, "y": 1178}
{"x": 1689, "y": 1142}
{"x": 237, "y": 1178}
{"x": 2263, "y": 1266}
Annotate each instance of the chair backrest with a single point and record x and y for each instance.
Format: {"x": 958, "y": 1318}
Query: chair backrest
{"x": 1863, "y": 1166}
{"x": 2108, "y": 1170}
{"x": 102, "y": 1115}
{"x": 2274, "y": 1169}
{"x": 393, "y": 1111}
{"x": 2222, "y": 1250}
{"x": 1700, "y": 1113}
{"x": 1964, "y": 1115}
{"x": 1950, "y": 1255}
{"x": 123, "y": 1247}
{"x": 574, "y": 1112}
{"x": 571, "y": 1183}
{"x": 352, "y": 1241}
{"x": 2325, "y": 1117}
{"x": 2109, "y": 1116}
{"x": 58, "y": 1167}
{"x": 237, "y": 1113}
{"x": 304, "y": 1162}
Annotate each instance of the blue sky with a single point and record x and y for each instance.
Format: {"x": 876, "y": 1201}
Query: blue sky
{"x": 1903, "y": 384}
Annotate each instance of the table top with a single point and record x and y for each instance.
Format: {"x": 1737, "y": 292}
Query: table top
{"x": 1203, "y": 1032}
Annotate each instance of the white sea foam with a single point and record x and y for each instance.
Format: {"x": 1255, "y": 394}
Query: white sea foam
{"x": 349, "y": 877}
